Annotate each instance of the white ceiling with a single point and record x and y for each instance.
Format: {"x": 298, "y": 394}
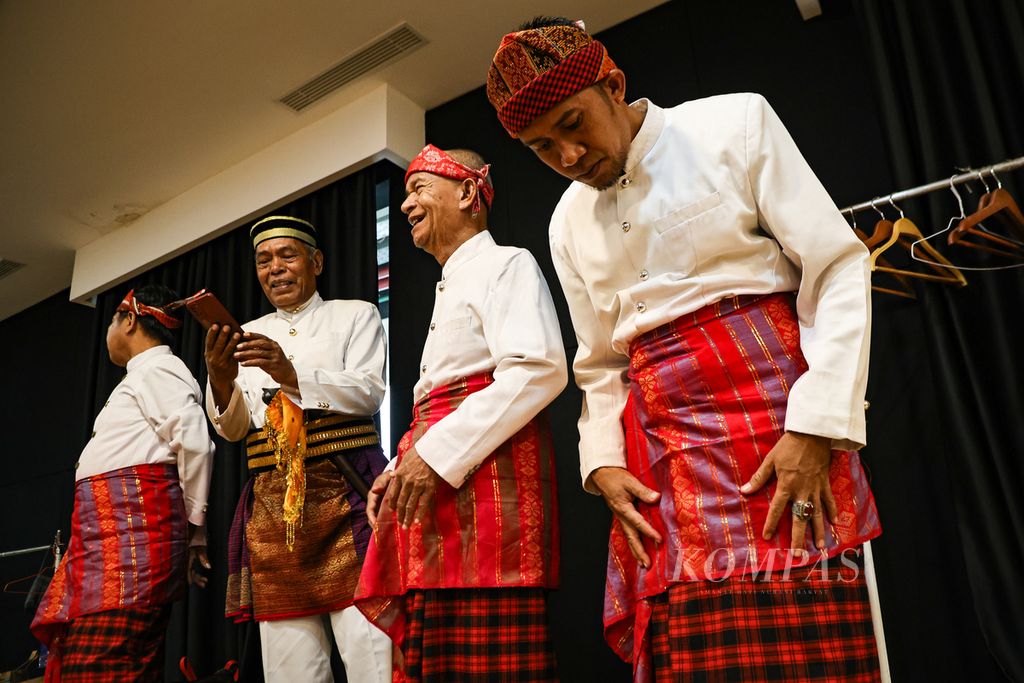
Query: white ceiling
{"x": 113, "y": 107}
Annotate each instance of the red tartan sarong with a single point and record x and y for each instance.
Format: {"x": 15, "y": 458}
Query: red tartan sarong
{"x": 116, "y": 646}
{"x": 707, "y": 402}
{"x": 499, "y": 530}
{"x": 478, "y": 634}
{"x": 812, "y": 625}
{"x": 127, "y": 549}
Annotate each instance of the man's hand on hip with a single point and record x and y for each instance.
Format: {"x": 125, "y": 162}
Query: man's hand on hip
{"x": 620, "y": 489}
{"x": 412, "y": 488}
{"x": 800, "y": 463}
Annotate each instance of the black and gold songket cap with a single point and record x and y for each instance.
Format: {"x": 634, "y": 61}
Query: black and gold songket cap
{"x": 282, "y": 226}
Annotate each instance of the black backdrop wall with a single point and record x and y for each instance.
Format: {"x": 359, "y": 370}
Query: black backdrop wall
{"x": 880, "y": 95}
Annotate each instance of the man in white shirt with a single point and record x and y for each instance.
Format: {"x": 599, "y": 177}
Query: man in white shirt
{"x": 301, "y": 385}
{"x": 466, "y": 539}
{"x": 679, "y": 247}
{"x": 140, "y": 496}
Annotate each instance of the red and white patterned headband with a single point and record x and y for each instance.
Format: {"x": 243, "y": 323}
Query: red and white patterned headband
{"x": 438, "y": 162}
{"x": 130, "y": 303}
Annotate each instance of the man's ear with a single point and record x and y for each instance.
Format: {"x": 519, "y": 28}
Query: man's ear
{"x": 130, "y": 322}
{"x": 318, "y": 262}
{"x": 467, "y": 193}
{"x": 615, "y": 85}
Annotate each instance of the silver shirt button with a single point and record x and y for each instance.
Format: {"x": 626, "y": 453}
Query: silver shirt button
{"x": 433, "y": 325}
{"x": 625, "y": 182}
{"x": 641, "y": 307}
{"x": 625, "y": 226}
{"x": 423, "y": 369}
{"x": 440, "y": 287}
{"x": 291, "y": 358}
{"x": 644, "y": 274}
{"x": 293, "y": 331}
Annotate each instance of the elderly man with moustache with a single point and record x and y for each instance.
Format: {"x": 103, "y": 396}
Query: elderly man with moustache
{"x": 301, "y": 385}
{"x": 466, "y": 536}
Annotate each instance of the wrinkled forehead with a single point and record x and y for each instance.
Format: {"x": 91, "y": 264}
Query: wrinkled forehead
{"x": 422, "y": 177}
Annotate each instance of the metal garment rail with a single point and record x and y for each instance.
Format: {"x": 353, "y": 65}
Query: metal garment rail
{"x": 973, "y": 174}
{"x": 25, "y": 551}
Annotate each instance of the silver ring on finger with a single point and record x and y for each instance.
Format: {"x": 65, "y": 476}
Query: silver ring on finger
{"x": 802, "y": 509}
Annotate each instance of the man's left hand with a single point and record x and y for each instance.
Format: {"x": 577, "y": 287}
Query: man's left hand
{"x": 259, "y": 351}
{"x": 412, "y": 488}
{"x": 800, "y": 463}
{"x": 197, "y": 554}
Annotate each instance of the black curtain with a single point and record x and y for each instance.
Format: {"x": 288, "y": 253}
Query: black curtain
{"x": 947, "y": 370}
{"x": 344, "y": 214}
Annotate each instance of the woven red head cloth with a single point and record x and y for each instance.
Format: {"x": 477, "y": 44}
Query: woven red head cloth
{"x": 536, "y": 69}
{"x": 130, "y": 303}
{"x": 438, "y": 162}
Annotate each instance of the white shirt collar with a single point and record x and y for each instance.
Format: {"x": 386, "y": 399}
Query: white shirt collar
{"x": 140, "y": 358}
{"x": 650, "y": 131}
{"x": 466, "y": 251}
{"x": 291, "y": 315}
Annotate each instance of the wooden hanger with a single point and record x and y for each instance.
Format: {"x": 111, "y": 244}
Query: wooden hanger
{"x": 997, "y": 206}
{"x": 904, "y": 289}
{"x": 882, "y": 231}
{"x": 906, "y": 233}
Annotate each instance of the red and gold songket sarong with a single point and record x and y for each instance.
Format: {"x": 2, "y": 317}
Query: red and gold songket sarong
{"x": 707, "y": 402}
{"x": 127, "y": 549}
{"x": 499, "y": 530}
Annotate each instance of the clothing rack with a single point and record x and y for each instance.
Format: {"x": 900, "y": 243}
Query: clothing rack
{"x": 971, "y": 174}
{"x": 55, "y": 546}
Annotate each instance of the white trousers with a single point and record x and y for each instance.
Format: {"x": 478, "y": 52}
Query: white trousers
{"x": 300, "y": 649}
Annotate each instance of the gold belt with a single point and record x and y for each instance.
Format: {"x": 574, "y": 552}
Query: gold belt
{"x": 323, "y": 436}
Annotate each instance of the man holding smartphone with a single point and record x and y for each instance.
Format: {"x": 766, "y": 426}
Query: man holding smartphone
{"x": 301, "y": 385}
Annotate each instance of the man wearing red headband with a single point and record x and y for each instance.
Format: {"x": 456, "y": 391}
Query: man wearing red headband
{"x": 722, "y": 309}
{"x": 301, "y": 386}
{"x": 466, "y": 528}
{"x": 140, "y": 496}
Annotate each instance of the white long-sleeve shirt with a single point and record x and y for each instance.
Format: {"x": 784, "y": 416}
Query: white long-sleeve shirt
{"x": 716, "y": 200}
{"x": 492, "y": 313}
{"x": 338, "y": 350}
{"x": 154, "y": 417}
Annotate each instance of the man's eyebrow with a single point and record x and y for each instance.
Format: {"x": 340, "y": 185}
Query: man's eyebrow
{"x": 558, "y": 123}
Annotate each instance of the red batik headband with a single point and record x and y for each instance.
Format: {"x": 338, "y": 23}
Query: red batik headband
{"x": 438, "y": 162}
{"x": 534, "y": 70}
{"x": 130, "y": 303}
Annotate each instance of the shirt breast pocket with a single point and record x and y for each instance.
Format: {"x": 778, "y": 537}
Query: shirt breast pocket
{"x": 679, "y": 218}
{"x": 681, "y": 231}
{"x": 457, "y": 331}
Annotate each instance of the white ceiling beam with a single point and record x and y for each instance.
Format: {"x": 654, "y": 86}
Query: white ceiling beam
{"x": 384, "y": 124}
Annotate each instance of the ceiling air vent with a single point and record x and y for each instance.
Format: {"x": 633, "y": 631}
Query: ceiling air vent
{"x": 8, "y": 267}
{"x": 390, "y": 47}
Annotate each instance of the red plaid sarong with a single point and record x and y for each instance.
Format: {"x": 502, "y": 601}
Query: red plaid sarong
{"x": 499, "y": 530}
{"x": 127, "y": 549}
{"x": 812, "y": 625}
{"x": 115, "y": 646}
{"x": 707, "y": 402}
{"x": 480, "y": 634}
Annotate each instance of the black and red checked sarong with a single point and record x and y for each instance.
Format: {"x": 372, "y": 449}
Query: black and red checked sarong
{"x": 125, "y": 560}
{"x": 116, "y": 646}
{"x": 812, "y": 625}
{"x": 481, "y": 634}
{"x": 496, "y": 536}
{"x": 707, "y": 402}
